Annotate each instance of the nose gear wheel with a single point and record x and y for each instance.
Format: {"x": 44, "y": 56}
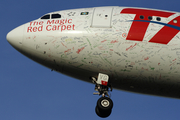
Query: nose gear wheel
{"x": 104, "y": 107}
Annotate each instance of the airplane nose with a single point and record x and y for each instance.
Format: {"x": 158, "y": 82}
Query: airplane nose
{"x": 15, "y": 37}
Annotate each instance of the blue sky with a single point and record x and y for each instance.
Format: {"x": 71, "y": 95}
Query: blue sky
{"x": 29, "y": 91}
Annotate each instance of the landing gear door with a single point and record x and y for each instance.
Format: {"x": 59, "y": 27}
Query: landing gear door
{"x": 102, "y": 17}
{"x": 102, "y": 79}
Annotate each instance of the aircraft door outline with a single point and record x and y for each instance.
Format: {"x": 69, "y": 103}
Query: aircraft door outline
{"x": 102, "y": 17}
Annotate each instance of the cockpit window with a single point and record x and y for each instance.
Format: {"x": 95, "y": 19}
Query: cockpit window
{"x": 54, "y": 16}
{"x": 45, "y": 17}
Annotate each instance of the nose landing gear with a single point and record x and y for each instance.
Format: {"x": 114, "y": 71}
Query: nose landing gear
{"x": 104, "y": 104}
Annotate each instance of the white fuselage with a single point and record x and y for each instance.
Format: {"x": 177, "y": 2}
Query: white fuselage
{"x": 85, "y": 42}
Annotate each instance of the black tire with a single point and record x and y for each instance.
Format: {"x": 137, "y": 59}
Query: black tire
{"x": 101, "y": 113}
{"x": 105, "y": 104}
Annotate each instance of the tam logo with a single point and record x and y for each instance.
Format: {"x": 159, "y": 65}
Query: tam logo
{"x": 140, "y": 25}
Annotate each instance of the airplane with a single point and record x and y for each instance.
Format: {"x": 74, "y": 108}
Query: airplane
{"x": 126, "y": 48}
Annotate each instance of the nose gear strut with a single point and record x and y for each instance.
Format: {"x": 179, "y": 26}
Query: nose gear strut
{"x": 104, "y": 104}
{"x": 102, "y": 90}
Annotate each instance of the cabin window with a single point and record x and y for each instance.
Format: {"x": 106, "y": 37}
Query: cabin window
{"x": 175, "y": 21}
{"x": 84, "y": 13}
{"x": 45, "y": 17}
{"x": 54, "y": 16}
{"x": 141, "y": 17}
{"x": 158, "y": 19}
{"x": 150, "y": 17}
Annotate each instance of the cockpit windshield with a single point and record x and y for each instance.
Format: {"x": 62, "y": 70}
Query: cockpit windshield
{"x": 46, "y": 16}
{"x": 52, "y": 16}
